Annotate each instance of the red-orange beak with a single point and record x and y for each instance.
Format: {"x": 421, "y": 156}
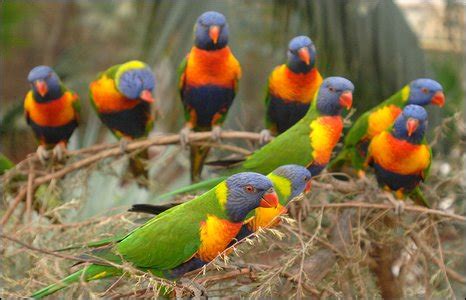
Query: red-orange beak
{"x": 307, "y": 189}
{"x": 270, "y": 199}
{"x": 438, "y": 99}
{"x": 346, "y": 99}
{"x": 304, "y": 55}
{"x": 146, "y": 95}
{"x": 411, "y": 126}
{"x": 41, "y": 87}
{"x": 214, "y": 32}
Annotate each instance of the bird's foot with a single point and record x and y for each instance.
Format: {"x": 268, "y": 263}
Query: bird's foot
{"x": 216, "y": 133}
{"x": 124, "y": 141}
{"x": 361, "y": 174}
{"x": 59, "y": 151}
{"x": 265, "y": 136}
{"x": 42, "y": 154}
{"x": 184, "y": 136}
{"x": 399, "y": 205}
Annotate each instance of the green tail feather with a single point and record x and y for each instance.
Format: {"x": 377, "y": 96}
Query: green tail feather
{"x": 200, "y": 186}
{"x": 418, "y": 197}
{"x": 95, "y": 244}
{"x": 89, "y": 273}
{"x": 198, "y": 157}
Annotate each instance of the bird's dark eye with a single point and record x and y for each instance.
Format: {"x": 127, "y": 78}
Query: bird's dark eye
{"x": 249, "y": 189}
{"x": 425, "y": 90}
{"x": 331, "y": 89}
{"x": 305, "y": 178}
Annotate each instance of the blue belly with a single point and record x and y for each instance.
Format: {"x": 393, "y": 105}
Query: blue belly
{"x": 396, "y": 181}
{"x": 191, "y": 265}
{"x": 285, "y": 114}
{"x": 131, "y": 122}
{"x": 315, "y": 169}
{"x": 207, "y": 101}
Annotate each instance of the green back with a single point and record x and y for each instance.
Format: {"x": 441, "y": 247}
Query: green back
{"x": 172, "y": 237}
{"x": 290, "y": 147}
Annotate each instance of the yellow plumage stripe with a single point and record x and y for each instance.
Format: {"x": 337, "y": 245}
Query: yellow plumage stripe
{"x": 221, "y": 192}
{"x": 325, "y": 133}
{"x": 282, "y": 185}
{"x": 131, "y": 65}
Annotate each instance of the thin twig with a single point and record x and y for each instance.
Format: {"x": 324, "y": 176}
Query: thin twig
{"x": 30, "y": 192}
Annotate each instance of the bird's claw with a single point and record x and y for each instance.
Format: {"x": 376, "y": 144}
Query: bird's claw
{"x": 184, "y": 136}
{"x": 216, "y": 133}
{"x": 265, "y": 136}
{"x": 399, "y": 205}
{"x": 42, "y": 154}
{"x": 124, "y": 145}
{"x": 59, "y": 151}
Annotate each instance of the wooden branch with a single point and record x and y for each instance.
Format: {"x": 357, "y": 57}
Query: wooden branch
{"x": 107, "y": 151}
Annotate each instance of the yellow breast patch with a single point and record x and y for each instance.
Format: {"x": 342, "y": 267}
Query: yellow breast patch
{"x": 266, "y": 217}
{"x": 215, "y": 235}
{"x": 325, "y": 133}
{"x": 382, "y": 119}
{"x": 399, "y": 156}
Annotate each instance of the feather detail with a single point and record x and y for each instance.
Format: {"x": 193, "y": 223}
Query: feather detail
{"x": 325, "y": 133}
{"x": 399, "y": 156}
{"x": 382, "y": 119}
{"x": 107, "y": 98}
{"x": 216, "y": 234}
{"x": 294, "y": 87}
{"x": 58, "y": 112}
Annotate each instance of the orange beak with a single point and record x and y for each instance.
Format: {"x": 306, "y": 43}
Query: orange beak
{"x": 146, "y": 95}
{"x": 438, "y": 99}
{"x": 270, "y": 199}
{"x": 346, "y": 99}
{"x": 307, "y": 189}
{"x": 41, "y": 87}
{"x": 304, "y": 55}
{"x": 214, "y": 32}
{"x": 411, "y": 126}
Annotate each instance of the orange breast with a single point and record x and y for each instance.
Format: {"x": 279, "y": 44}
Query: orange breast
{"x": 54, "y": 113}
{"x": 218, "y": 68}
{"x": 285, "y": 84}
{"x": 382, "y": 119}
{"x": 266, "y": 217}
{"x": 399, "y": 156}
{"x": 216, "y": 234}
{"x": 107, "y": 98}
{"x": 325, "y": 133}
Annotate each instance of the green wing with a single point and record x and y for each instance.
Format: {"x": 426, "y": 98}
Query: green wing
{"x": 170, "y": 238}
{"x": 5, "y": 163}
{"x": 268, "y": 121}
{"x": 291, "y": 147}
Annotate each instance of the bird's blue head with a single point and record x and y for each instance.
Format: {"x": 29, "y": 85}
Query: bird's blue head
{"x": 136, "y": 81}
{"x": 334, "y": 94}
{"x": 425, "y": 91}
{"x": 211, "y": 31}
{"x": 299, "y": 179}
{"x": 245, "y": 192}
{"x": 411, "y": 124}
{"x": 301, "y": 54}
{"x": 45, "y": 83}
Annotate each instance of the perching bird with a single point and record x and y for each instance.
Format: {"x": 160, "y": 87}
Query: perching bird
{"x": 182, "y": 238}
{"x": 52, "y": 111}
{"x": 208, "y": 82}
{"x": 288, "y": 181}
{"x": 401, "y": 156}
{"x": 291, "y": 88}
{"x": 308, "y": 143}
{"x": 420, "y": 92}
{"x": 122, "y": 97}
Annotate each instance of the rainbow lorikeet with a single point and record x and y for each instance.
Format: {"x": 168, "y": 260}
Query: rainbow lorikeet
{"x": 288, "y": 181}
{"x": 182, "y": 238}
{"x": 208, "y": 81}
{"x": 122, "y": 97}
{"x": 401, "y": 156}
{"x": 308, "y": 143}
{"x": 291, "y": 88}
{"x": 52, "y": 111}
{"x": 420, "y": 92}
